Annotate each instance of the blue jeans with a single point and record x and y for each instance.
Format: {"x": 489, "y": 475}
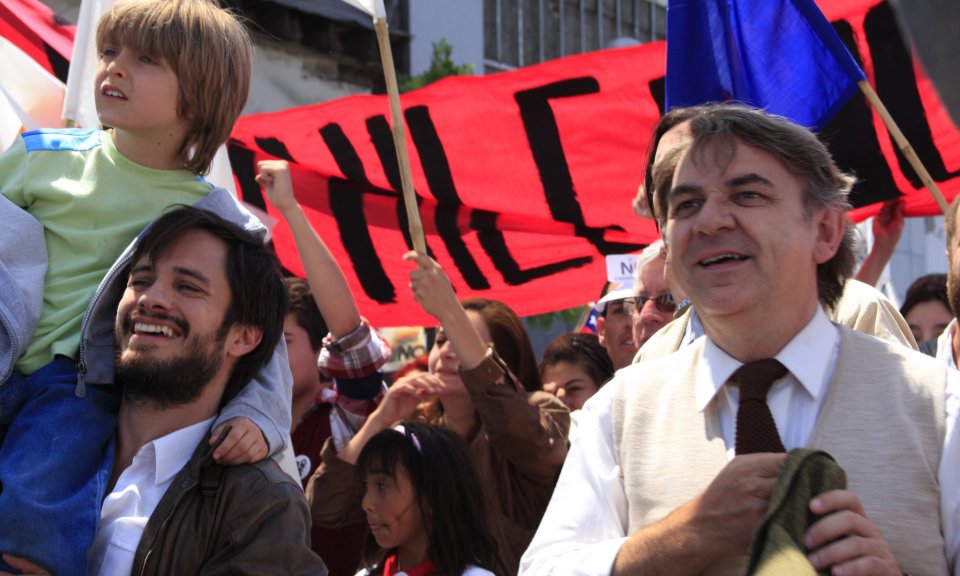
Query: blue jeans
{"x": 52, "y": 445}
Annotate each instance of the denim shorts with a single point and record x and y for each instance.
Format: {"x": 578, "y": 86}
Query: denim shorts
{"x": 52, "y": 446}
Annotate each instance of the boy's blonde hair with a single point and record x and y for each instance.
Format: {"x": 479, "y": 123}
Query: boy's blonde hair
{"x": 210, "y": 52}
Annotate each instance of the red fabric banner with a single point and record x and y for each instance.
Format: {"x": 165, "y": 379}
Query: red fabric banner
{"x": 857, "y": 137}
{"x": 525, "y": 178}
{"x": 35, "y": 29}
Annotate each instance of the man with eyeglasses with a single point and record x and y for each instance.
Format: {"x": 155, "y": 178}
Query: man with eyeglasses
{"x": 615, "y": 326}
{"x": 654, "y": 301}
{"x": 630, "y": 315}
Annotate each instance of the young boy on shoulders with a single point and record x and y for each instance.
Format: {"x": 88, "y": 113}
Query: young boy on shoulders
{"x": 172, "y": 78}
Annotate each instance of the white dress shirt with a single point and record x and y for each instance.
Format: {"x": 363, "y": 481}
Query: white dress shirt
{"x": 586, "y": 522}
{"x": 139, "y": 489}
{"x": 794, "y": 400}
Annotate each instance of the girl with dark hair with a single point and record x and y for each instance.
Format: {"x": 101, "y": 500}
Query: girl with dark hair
{"x": 423, "y": 522}
{"x": 482, "y": 385}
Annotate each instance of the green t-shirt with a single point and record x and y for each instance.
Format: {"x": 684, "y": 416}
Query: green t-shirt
{"x": 92, "y": 202}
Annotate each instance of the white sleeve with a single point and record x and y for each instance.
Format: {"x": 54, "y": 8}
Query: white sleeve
{"x": 585, "y": 524}
{"x": 949, "y": 475}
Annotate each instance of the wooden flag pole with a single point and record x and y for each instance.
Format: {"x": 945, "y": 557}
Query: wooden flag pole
{"x": 903, "y": 144}
{"x": 399, "y": 137}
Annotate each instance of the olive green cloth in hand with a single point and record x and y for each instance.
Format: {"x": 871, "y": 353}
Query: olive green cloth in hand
{"x": 777, "y": 547}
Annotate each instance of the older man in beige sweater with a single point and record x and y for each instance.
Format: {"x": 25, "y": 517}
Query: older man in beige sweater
{"x": 660, "y": 480}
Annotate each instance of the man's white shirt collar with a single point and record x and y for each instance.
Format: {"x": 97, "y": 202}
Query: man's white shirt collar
{"x": 807, "y": 356}
{"x": 139, "y": 489}
{"x": 173, "y": 451}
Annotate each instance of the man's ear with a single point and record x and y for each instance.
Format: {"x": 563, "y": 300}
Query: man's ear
{"x": 600, "y": 322}
{"x": 242, "y": 339}
{"x": 831, "y": 222}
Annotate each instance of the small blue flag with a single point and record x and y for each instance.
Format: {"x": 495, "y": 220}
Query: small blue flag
{"x": 779, "y": 55}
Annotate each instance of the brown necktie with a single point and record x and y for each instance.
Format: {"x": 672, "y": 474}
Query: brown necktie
{"x": 756, "y": 430}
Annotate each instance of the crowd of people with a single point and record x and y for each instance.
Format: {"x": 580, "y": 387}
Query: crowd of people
{"x": 174, "y": 405}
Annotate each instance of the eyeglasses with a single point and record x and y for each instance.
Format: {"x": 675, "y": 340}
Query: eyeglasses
{"x": 664, "y": 303}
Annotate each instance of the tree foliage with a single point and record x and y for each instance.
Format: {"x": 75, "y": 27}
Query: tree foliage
{"x": 441, "y": 66}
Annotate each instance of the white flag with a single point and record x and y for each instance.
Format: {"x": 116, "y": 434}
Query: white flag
{"x": 11, "y": 121}
{"x": 34, "y": 89}
{"x": 372, "y": 7}
{"x": 30, "y": 97}
{"x": 221, "y": 174}
{"x": 79, "y": 106}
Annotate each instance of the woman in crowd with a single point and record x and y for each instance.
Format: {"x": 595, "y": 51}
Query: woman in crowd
{"x": 484, "y": 386}
{"x": 574, "y": 366}
{"x": 926, "y": 308}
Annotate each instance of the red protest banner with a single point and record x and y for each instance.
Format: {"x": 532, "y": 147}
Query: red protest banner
{"x": 525, "y": 178}
{"x": 35, "y": 29}
{"x": 857, "y": 137}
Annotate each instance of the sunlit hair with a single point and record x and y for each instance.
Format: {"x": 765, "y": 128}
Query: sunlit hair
{"x": 258, "y": 296}
{"x": 801, "y": 153}
{"x": 211, "y": 54}
{"x": 510, "y": 339}
{"x": 583, "y": 350}
{"x": 305, "y": 311}
{"x": 668, "y": 121}
{"x": 649, "y": 254}
{"x": 446, "y": 488}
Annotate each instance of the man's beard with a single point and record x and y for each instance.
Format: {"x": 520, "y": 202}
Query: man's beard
{"x": 173, "y": 381}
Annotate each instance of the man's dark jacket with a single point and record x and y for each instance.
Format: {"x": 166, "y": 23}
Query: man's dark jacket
{"x": 247, "y": 519}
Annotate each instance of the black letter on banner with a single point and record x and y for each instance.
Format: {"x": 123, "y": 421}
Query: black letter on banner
{"x": 382, "y": 139}
{"x": 241, "y": 162}
{"x": 494, "y": 244}
{"x": 346, "y": 203}
{"x": 852, "y": 139}
{"x": 658, "y": 91}
{"x": 543, "y": 134}
{"x": 58, "y": 64}
{"x": 897, "y": 87}
{"x": 436, "y": 168}
{"x": 274, "y": 147}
